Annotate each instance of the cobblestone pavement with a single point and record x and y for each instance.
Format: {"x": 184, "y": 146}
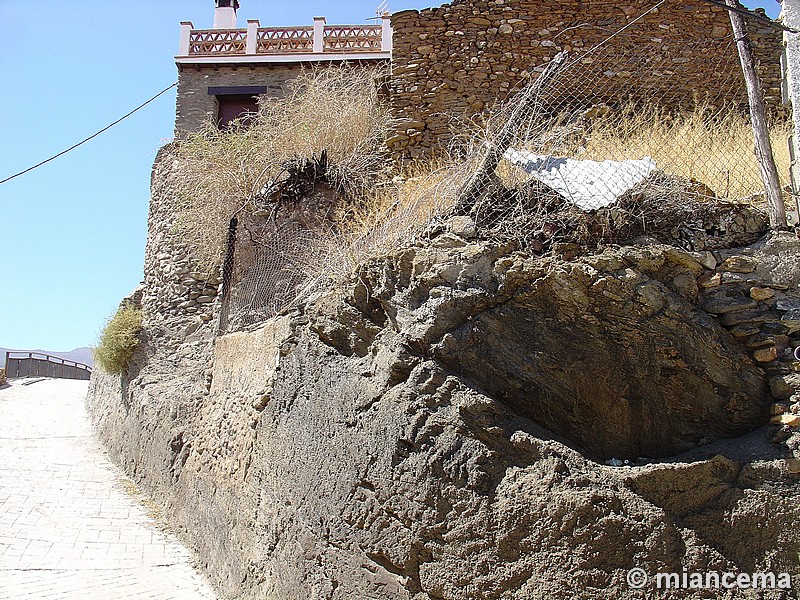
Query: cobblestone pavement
{"x": 71, "y": 525}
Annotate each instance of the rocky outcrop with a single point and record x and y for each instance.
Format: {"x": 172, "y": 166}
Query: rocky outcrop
{"x": 430, "y": 429}
{"x": 608, "y": 351}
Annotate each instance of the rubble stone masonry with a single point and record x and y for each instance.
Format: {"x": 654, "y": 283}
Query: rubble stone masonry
{"x": 458, "y": 60}
{"x": 195, "y": 105}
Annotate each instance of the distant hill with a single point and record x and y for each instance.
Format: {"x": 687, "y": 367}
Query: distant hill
{"x": 81, "y": 355}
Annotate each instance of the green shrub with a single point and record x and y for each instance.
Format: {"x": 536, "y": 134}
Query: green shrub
{"x": 119, "y": 339}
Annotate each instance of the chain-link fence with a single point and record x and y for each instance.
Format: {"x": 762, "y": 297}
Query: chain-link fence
{"x": 624, "y": 139}
{"x": 604, "y": 144}
{"x": 642, "y": 115}
{"x": 269, "y": 269}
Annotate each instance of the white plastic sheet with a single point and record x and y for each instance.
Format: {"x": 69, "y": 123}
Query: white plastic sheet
{"x": 589, "y": 184}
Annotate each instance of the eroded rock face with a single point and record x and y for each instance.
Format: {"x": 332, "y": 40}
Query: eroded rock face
{"x": 608, "y": 351}
{"x": 426, "y": 433}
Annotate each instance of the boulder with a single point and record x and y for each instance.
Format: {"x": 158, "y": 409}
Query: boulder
{"x": 602, "y": 350}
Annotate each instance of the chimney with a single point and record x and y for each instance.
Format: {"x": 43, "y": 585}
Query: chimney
{"x": 225, "y": 14}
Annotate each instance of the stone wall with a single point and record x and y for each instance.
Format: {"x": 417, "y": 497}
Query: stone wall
{"x": 459, "y": 59}
{"x": 195, "y": 105}
{"x": 753, "y": 293}
{"x": 433, "y": 421}
{"x": 173, "y": 288}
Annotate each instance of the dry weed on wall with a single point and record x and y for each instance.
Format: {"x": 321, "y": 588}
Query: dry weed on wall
{"x": 392, "y": 214}
{"x": 220, "y": 173}
{"x": 118, "y": 340}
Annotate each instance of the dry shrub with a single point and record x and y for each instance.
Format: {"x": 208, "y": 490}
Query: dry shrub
{"x": 119, "y": 339}
{"x": 390, "y": 215}
{"x": 220, "y": 173}
{"x": 662, "y": 207}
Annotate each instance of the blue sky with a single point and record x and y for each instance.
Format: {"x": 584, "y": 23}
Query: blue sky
{"x": 72, "y": 232}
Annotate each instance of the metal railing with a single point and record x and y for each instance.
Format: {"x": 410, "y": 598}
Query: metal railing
{"x": 38, "y": 364}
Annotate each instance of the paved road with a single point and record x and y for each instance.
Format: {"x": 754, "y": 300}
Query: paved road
{"x": 71, "y": 525}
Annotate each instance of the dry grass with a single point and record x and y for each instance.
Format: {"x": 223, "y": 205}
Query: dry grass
{"x": 712, "y": 147}
{"x": 220, "y": 173}
{"x": 118, "y": 340}
{"x": 388, "y": 216}
{"x": 285, "y": 256}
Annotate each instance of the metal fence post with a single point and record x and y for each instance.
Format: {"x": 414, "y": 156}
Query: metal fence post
{"x": 227, "y": 275}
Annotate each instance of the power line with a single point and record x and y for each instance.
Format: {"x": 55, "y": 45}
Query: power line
{"x": 94, "y": 135}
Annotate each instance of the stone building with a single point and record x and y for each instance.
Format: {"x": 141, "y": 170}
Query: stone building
{"x": 221, "y": 71}
{"x": 458, "y": 60}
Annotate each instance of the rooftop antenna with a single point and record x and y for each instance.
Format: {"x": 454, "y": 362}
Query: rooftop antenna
{"x": 381, "y": 11}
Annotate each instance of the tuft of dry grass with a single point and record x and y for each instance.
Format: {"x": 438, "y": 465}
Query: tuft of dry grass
{"x": 389, "y": 215}
{"x": 118, "y": 340}
{"x": 220, "y": 173}
{"x": 713, "y": 147}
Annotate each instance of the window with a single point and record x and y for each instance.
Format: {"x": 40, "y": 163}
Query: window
{"x": 236, "y": 103}
{"x": 230, "y": 108}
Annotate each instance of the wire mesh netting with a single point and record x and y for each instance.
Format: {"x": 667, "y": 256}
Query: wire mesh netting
{"x": 619, "y": 139}
{"x": 267, "y": 273}
{"x": 607, "y": 143}
{"x": 610, "y": 117}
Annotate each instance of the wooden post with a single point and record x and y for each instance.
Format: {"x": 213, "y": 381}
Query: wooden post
{"x": 227, "y": 276}
{"x": 769, "y": 172}
{"x": 790, "y": 15}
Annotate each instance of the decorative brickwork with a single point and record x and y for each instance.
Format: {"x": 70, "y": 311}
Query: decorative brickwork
{"x": 459, "y": 59}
